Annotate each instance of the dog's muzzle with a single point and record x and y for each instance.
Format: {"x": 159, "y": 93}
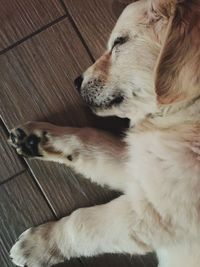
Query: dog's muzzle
{"x": 95, "y": 95}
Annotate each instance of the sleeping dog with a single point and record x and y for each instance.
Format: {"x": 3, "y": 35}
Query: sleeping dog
{"x": 149, "y": 73}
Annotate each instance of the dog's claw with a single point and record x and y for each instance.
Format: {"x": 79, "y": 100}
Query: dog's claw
{"x": 20, "y": 133}
{"x": 12, "y": 138}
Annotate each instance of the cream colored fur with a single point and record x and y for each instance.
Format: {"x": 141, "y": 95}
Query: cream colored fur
{"x": 156, "y": 166}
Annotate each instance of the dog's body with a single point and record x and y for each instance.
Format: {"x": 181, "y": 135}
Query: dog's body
{"x": 157, "y": 164}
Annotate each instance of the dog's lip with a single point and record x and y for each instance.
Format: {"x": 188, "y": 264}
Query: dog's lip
{"x": 115, "y": 101}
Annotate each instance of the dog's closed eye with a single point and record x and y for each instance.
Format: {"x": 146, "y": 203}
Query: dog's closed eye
{"x": 119, "y": 41}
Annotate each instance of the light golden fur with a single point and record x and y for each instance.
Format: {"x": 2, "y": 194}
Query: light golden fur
{"x": 156, "y": 72}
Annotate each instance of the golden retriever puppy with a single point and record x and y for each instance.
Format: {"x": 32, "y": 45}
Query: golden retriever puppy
{"x": 150, "y": 73}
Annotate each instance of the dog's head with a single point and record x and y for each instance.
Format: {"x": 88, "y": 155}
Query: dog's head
{"x": 152, "y": 58}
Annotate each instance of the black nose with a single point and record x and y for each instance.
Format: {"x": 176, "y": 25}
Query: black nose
{"x": 78, "y": 82}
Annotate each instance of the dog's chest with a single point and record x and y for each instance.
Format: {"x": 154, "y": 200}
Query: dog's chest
{"x": 163, "y": 170}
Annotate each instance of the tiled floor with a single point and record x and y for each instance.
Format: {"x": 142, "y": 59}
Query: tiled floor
{"x": 44, "y": 45}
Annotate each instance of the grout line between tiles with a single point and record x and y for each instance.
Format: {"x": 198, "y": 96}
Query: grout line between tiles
{"x": 33, "y": 34}
{"x": 77, "y": 31}
{"x": 12, "y": 177}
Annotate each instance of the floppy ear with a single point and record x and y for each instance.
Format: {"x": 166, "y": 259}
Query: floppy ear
{"x": 177, "y": 74}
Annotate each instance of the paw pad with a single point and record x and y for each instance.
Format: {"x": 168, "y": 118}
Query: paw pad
{"x": 27, "y": 145}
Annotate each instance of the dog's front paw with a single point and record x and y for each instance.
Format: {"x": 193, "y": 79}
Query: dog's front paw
{"x": 36, "y": 247}
{"x": 32, "y": 139}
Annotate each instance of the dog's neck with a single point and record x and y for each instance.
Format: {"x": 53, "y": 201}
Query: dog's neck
{"x": 188, "y": 112}
{"x": 171, "y": 115}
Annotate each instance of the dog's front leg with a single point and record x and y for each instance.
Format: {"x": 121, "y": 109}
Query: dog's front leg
{"x": 88, "y": 231}
{"x": 95, "y": 154}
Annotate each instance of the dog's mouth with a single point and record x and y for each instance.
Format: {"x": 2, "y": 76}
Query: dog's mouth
{"x": 116, "y": 101}
{"x": 103, "y": 104}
